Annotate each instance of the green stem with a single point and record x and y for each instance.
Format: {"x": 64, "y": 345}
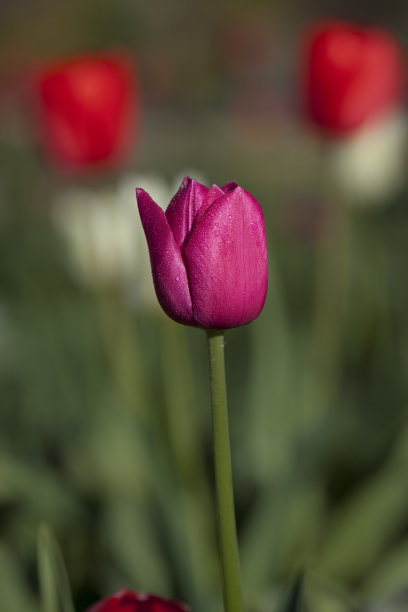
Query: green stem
{"x": 227, "y": 534}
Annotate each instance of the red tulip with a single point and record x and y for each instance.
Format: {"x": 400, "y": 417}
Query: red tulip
{"x": 131, "y": 601}
{"x": 352, "y": 75}
{"x": 86, "y": 108}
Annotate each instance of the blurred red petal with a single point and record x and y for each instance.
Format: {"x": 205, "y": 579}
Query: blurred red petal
{"x": 86, "y": 109}
{"x": 132, "y": 601}
{"x": 350, "y": 75}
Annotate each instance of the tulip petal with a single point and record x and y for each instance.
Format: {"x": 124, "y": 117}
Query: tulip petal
{"x": 133, "y": 601}
{"x": 169, "y": 272}
{"x": 183, "y": 208}
{"x": 227, "y": 262}
{"x": 229, "y": 186}
{"x": 213, "y": 194}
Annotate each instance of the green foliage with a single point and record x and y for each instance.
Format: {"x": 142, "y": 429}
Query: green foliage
{"x": 54, "y": 582}
{"x": 105, "y": 429}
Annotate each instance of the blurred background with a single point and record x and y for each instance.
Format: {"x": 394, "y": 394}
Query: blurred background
{"x": 105, "y": 428}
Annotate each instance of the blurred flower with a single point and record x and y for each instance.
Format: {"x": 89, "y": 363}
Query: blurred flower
{"x": 104, "y": 238}
{"x": 208, "y": 254}
{"x": 353, "y": 88}
{"x": 351, "y": 75}
{"x": 86, "y": 109}
{"x": 100, "y": 233}
{"x": 131, "y": 601}
{"x": 371, "y": 165}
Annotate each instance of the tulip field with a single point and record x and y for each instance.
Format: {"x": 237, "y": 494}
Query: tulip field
{"x": 180, "y": 185}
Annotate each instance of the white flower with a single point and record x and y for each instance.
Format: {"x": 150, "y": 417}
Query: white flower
{"x": 370, "y": 165}
{"x": 104, "y": 236}
{"x": 100, "y": 234}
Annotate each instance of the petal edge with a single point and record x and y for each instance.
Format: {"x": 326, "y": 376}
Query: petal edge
{"x": 168, "y": 269}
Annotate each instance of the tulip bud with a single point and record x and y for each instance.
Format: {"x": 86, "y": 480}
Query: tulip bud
{"x": 131, "y": 601}
{"x": 351, "y": 75}
{"x": 86, "y": 110}
{"x": 208, "y": 254}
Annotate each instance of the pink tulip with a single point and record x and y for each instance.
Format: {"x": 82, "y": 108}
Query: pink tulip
{"x": 208, "y": 254}
{"x": 352, "y": 75}
{"x": 131, "y": 601}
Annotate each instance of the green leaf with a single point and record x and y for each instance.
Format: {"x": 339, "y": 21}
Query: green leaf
{"x": 15, "y": 592}
{"x": 372, "y": 517}
{"x": 323, "y": 596}
{"x": 389, "y": 575}
{"x": 54, "y": 584}
{"x": 293, "y": 599}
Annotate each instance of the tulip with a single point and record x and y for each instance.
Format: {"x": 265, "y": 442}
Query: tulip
{"x": 86, "y": 109}
{"x": 208, "y": 254}
{"x": 352, "y": 75}
{"x": 131, "y": 601}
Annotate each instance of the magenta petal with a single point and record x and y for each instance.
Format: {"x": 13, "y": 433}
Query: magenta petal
{"x": 213, "y": 194}
{"x": 227, "y": 262}
{"x": 169, "y": 272}
{"x": 183, "y": 208}
{"x": 229, "y": 186}
{"x": 133, "y": 601}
